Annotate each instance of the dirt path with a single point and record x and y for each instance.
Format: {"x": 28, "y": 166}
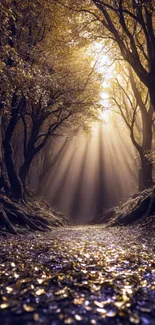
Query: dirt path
{"x": 84, "y": 275}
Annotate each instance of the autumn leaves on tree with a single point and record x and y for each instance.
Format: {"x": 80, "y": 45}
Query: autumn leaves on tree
{"x": 49, "y": 83}
{"x": 44, "y": 85}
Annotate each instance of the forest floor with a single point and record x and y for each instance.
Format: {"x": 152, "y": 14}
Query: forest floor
{"x": 78, "y": 275}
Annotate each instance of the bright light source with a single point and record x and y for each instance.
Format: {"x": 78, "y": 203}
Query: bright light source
{"x": 105, "y": 116}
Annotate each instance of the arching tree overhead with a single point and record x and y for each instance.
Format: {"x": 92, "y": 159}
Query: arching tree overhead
{"x": 131, "y": 100}
{"x": 49, "y": 81}
{"x": 130, "y": 25}
{"x": 44, "y": 83}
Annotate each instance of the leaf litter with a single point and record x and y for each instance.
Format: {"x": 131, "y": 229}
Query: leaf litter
{"x": 78, "y": 275}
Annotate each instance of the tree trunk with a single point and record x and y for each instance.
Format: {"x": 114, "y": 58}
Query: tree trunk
{"x": 145, "y": 174}
{"x": 4, "y": 183}
{"x": 29, "y": 152}
{"x": 15, "y": 182}
{"x": 151, "y": 88}
{"x": 24, "y": 170}
{"x": 16, "y": 185}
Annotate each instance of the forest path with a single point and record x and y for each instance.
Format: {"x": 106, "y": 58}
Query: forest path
{"x": 78, "y": 275}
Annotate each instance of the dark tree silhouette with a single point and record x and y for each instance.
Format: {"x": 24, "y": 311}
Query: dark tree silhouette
{"x": 131, "y": 26}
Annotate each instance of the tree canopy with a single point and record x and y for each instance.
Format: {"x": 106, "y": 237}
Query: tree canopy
{"x": 128, "y": 24}
{"x": 53, "y": 58}
{"x": 44, "y": 83}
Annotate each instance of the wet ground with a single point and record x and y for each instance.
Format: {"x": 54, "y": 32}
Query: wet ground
{"x": 84, "y": 275}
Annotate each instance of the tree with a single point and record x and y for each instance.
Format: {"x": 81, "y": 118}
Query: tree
{"x": 17, "y": 54}
{"x": 68, "y": 98}
{"x": 42, "y": 91}
{"x": 132, "y": 100}
{"x": 45, "y": 88}
{"x": 129, "y": 25}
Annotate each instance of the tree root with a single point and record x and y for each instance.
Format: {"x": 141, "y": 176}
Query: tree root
{"x": 6, "y": 222}
{"x": 14, "y": 213}
{"x": 27, "y": 222}
{"x": 40, "y": 220}
{"x": 143, "y": 209}
{"x": 151, "y": 206}
{"x": 134, "y": 214}
{"x": 139, "y": 208}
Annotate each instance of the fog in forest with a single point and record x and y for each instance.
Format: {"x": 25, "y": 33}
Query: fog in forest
{"x": 93, "y": 173}
{"x": 77, "y": 105}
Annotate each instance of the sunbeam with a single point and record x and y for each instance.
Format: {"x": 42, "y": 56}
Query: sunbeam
{"x": 95, "y": 173}
{"x": 105, "y": 116}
